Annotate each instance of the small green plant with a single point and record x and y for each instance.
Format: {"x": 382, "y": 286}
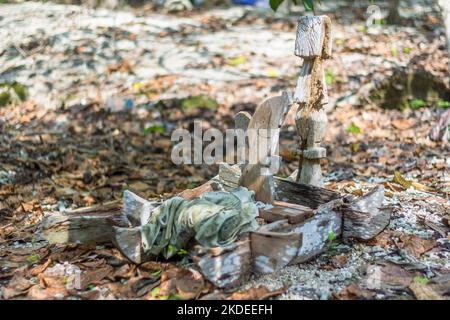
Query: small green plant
{"x": 237, "y": 61}
{"x": 353, "y": 129}
{"x": 407, "y": 50}
{"x": 11, "y": 93}
{"x": 421, "y": 280}
{"x": 395, "y": 53}
{"x": 90, "y": 287}
{"x": 330, "y": 77}
{"x": 417, "y": 104}
{"x": 191, "y": 185}
{"x": 308, "y": 4}
{"x": 331, "y": 236}
{"x": 156, "y": 273}
{"x": 153, "y": 129}
{"x": 443, "y": 104}
{"x": 200, "y": 101}
{"x": 33, "y": 258}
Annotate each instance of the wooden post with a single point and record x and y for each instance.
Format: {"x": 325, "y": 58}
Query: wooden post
{"x": 313, "y": 45}
{"x": 263, "y": 136}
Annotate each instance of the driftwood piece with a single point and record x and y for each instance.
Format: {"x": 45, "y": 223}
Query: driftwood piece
{"x": 365, "y": 217}
{"x": 129, "y": 242}
{"x": 225, "y": 267}
{"x": 85, "y": 226}
{"x": 137, "y": 209}
{"x": 274, "y": 246}
{"x": 302, "y": 194}
{"x": 280, "y": 210}
{"x": 316, "y": 230}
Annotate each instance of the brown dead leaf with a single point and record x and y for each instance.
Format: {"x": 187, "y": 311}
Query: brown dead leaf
{"x": 139, "y": 186}
{"x": 40, "y": 269}
{"x": 339, "y": 261}
{"x": 389, "y": 276}
{"x": 354, "y": 292}
{"x": 424, "y": 292}
{"x": 259, "y": 293}
{"x": 94, "y": 276}
{"x": 51, "y": 293}
{"x": 403, "y": 124}
{"x": 446, "y": 220}
{"x": 415, "y": 245}
{"x": 385, "y": 239}
{"x": 185, "y": 284}
{"x": 18, "y": 286}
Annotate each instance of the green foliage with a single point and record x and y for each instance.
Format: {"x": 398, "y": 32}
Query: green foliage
{"x": 417, "y": 104}
{"x": 331, "y": 236}
{"x": 153, "y": 129}
{"x": 354, "y": 129}
{"x": 237, "y": 61}
{"x": 330, "y": 77}
{"x": 200, "y": 101}
{"x": 157, "y": 273}
{"x": 308, "y": 4}
{"x": 443, "y": 104}
{"x": 33, "y": 258}
{"x": 421, "y": 280}
{"x": 12, "y": 93}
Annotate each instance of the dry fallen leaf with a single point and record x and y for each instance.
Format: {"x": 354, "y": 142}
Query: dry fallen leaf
{"x": 389, "y": 276}
{"x": 415, "y": 245}
{"x": 339, "y": 261}
{"x": 354, "y": 292}
{"x": 424, "y": 292}
{"x": 18, "y": 286}
{"x": 185, "y": 284}
{"x": 51, "y": 293}
{"x": 259, "y": 293}
{"x": 399, "y": 179}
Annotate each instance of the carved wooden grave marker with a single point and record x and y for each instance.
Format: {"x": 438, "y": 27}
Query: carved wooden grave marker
{"x": 297, "y": 218}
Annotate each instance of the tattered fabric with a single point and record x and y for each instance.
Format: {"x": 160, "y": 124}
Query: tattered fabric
{"x": 214, "y": 219}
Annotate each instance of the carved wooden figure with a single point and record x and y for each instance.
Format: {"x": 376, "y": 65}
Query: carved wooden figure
{"x": 313, "y": 45}
{"x": 263, "y": 136}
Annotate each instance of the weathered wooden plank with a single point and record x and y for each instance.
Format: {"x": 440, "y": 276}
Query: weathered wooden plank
{"x": 85, "y": 226}
{"x": 279, "y": 210}
{"x": 274, "y": 246}
{"x": 365, "y": 217}
{"x": 225, "y": 267}
{"x": 316, "y": 231}
{"x": 301, "y": 194}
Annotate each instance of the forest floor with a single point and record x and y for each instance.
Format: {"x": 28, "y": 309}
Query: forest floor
{"x": 106, "y": 88}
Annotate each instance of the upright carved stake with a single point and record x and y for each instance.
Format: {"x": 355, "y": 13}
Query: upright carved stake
{"x": 313, "y": 45}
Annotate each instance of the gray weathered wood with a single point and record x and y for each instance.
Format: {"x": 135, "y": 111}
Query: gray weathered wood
{"x": 274, "y": 246}
{"x": 280, "y": 210}
{"x": 225, "y": 267}
{"x": 263, "y": 137}
{"x": 302, "y": 194}
{"x": 129, "y": 242}
{"x": 327, "y": 220}
{"x": 313, "y": 45}
{"x": 137, "y": 209}
{"x": 85, "y": 226}
{"x": 280, "y": 243}
{"x": 365, "y": 217}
